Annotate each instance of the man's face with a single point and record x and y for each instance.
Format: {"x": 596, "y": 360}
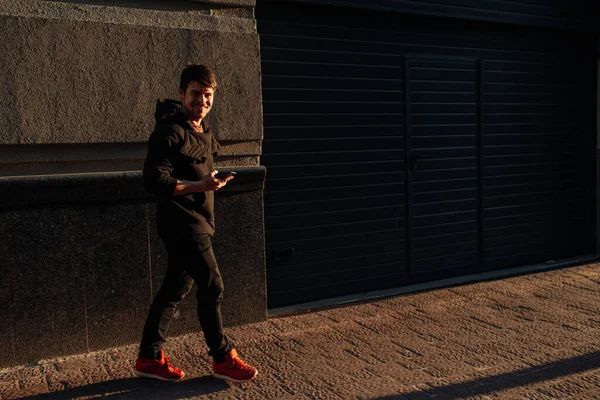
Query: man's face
{"x": 197, "y": 100}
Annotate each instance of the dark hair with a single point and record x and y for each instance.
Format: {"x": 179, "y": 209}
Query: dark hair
{"x": 198, "y": 73}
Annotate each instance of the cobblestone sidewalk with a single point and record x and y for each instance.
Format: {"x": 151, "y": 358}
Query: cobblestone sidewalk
{"x": 528, "y": 337}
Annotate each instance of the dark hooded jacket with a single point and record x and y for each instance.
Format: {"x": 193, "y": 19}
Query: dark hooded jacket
{"x": 177, "y": 151}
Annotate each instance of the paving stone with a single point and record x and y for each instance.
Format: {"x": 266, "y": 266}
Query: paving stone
{"x": 10, "y": 374}
{"x": 520, "y": 351}
{"x": 56, "y": 380}
{"x": 289, "y": 344}
{"x": 593, "y": 378}
{"x": 266, "y": 328}
{"x": 120, "y": 354}
{"x": 449, "y": 369}
{"x": 281, "y": 363}
{"x": 452, "y": 355}
{"x": 346, "y": 362}
{"x": 7, "y": 387}
{"x": 592, "y": 395}
{"x": 269, "y": 385}
{"x": 196, "y": 349}
{"x": 31, "y": 390}
{"x": 76, "y": 364}
{"x": 384, "y": 392}
{"x": 256, "y": 356}
{"x": 484, "y": 361}
{"x": 550, "y": 337}
{"x": 298, "y": 384}
{"x": 120, "y": 370}
{"x": 570, "y": 387}
{"x": 401, "y": 374}
{"x": 532, "y": 337}
{"x": 240, "y": 334}
{"x": 342, "y": 314}
{"x": 30, "y": 371}
{"x": 35, "y": 380}
{"x": 236, "y": 395}
{"x": 412, "y": 315}
{"x": 369, "y": 389}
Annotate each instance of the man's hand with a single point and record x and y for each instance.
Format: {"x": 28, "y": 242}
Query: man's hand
{"x": 210, "y": 182}
{"x": 207, "y": 184}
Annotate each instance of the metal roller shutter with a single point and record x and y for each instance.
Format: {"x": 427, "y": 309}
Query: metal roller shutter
{"x": 400, "y": 150}
{"x": 443, "y": 138}
{"x": 334, "y": 150}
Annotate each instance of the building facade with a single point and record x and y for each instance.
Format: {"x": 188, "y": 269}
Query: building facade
{"x": 403, "y": 142}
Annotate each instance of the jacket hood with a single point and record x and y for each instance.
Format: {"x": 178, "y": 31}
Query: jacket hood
{"x": 168, "y": 110}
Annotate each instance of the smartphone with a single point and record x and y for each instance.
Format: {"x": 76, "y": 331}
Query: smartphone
{"x": 224, "y": 174}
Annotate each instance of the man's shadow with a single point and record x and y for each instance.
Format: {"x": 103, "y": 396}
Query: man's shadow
{"x": 137, "y": 388}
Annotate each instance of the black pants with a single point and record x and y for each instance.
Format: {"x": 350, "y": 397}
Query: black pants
{"x": 191, "y": 260}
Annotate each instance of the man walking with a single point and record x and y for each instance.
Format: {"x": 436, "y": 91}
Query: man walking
{"x": 179, "y": 170}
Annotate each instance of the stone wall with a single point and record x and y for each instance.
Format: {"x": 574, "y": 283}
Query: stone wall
{"x": 80, "y": 256}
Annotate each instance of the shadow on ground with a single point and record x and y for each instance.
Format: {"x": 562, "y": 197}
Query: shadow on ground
{"x": 498, "y": 383}
{"x": 136, "y": 388}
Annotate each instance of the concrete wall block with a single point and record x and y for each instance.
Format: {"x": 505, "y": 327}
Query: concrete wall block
{"x": 70, "y": 81}
{"x": 81, "y": 278}
{"x": 106, "y": 188}
{"x": 239, "y": 244}
{"x": 47, "y": 159}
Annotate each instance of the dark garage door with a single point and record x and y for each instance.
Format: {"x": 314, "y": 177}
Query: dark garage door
{"x": 443, "y": 172}
{"x": 400, "y": 150}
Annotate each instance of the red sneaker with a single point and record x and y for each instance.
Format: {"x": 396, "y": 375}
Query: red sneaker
{"x": 234, "y": 369}
{"x": 160, "y": 368}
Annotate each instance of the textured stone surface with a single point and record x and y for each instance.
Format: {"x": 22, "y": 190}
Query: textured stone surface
{"x": 416, "y": 346}
{"x": 113, "y": 71}
{"x": 105, "y": 187}
{"x": 239, "y": 248}
{"x": 81, "y": 261}
{"x": 70, "y": 189}
{"x": 77, "y": 282}
{"x": 86, "y": 276}
{"x": 47, "y": 307}
{"x": 51, "y": 159}
{"x": 117, "y": 288}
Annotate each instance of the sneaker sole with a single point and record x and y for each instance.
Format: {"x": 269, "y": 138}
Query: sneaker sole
{"x": 152, "y": 376}
{"x": 228, "y": 378}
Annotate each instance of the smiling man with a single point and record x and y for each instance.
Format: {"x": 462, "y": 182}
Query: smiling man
{"x": 179, "y": 171}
